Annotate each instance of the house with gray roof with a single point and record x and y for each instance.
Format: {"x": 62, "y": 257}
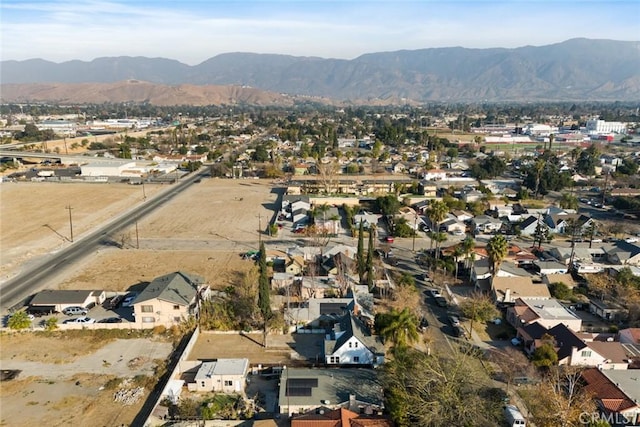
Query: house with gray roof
{"x": 304, "y": 389}
{"x": 170, "y": 299}
{"x": 222, "y": 375}
{"x": 624, "y": 253}
{"x": 351, "y": 343}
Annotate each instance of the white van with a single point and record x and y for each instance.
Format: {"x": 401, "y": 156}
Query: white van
{"x": 514, "y": 417}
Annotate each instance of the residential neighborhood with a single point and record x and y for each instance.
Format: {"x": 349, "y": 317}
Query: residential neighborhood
{"x": 386, "y": 264}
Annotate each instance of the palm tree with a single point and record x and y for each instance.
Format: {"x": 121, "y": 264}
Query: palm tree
{"x": 591, "y": 231}
{"x": 568, "y": 201}
{"x": 437, "y": 212}
{"x": 457, "y": 253}
{"x": 497, "y": 249}
{"x": 399, "y": 327}
{"x": 468, "y": 244}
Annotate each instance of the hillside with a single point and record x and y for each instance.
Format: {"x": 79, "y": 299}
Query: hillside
{"x": 577, "y": 69}
{"x": 139, "y": 92}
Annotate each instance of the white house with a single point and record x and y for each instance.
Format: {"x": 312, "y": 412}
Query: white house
{"x": 222, "y": 375}
{"x": 550, "y": 267}
{"x": 435, "y": 175}
{"x": 486, "y": 224}
{"x": 351, "y": 343}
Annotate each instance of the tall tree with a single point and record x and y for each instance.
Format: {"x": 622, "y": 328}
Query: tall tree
{"x": 541, "y": 233}
{"x": 560, "y": 399}
{"x": 434, "y": 391}
{"x": 362, "y": 265}
{"x": 497, "y": 249}
{"x": 468, "y": 244}
{"x": 437, "y": 212}
{"x": 591, "y": 232}
{"x": 264, "y": 300}
{"x": 479, "y": 308}
{"x": 370, "y": 271}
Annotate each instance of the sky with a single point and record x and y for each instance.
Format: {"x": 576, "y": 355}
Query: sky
{"x": 192, "y": 31}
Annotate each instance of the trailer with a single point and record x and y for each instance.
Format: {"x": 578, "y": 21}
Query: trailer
{"x": 514, "y": 417}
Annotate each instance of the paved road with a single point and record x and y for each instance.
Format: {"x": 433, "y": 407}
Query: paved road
{"x": 17, "y": 289}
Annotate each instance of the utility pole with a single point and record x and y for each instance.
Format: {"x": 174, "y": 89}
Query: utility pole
{"x": 259, "y": 228}
{"x": 415, "y": 230}
{"x": 604, "y": 189}
{"x": 144, "y": 193}
{"x": 137, "y": 237}
{"x": 70, "y": 221}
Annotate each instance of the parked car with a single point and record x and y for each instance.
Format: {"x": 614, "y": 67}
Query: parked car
{"x": 113, "y": 303}
{"x": 441, "y": 301}
{"x": 74, "y": 311}
{"x": 128, "y": 300}
{"x": 81, "y": 320}
{"x": 434, "y": 293}
{"x": 459, "y": 332}
{"x": 454, "y": 321}
{"x": 111, "y": 320}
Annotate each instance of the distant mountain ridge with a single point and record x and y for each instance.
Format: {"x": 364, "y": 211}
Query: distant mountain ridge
{"x": 577, "y": 69}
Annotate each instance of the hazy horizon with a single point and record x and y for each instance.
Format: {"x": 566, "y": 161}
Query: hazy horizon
{"x": 196, "y": 30}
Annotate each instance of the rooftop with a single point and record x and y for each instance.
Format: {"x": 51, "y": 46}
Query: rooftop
{"x": 316, "y": 387}
{"x": 549, "y": 309}
{"x": 222, "y": 367}
{"x": 628, "y": 381}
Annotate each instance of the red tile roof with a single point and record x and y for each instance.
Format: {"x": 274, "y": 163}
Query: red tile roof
{"x": 610, "y": 396}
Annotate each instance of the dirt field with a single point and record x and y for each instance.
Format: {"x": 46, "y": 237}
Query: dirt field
{"x": 76, "y": 382}
{"x": 202, "y": 231}
{"x": 34, "y": 219}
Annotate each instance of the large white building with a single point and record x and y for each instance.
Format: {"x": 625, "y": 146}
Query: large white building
{"x": 536, "y": 129}
{"x": 112, "y": 168}
{"x": 599, "y": 127}
{"x": 60, "y": 127}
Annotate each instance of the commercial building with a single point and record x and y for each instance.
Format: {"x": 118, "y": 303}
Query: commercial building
{"x": 600, "y": 127}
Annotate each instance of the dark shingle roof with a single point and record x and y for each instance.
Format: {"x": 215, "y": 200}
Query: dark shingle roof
{"x": 52, "y": 297}
{"x": 353, "y": 327}
{"x": 178, "y": 288}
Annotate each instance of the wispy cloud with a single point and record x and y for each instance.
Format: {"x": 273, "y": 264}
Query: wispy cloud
{"x": 192, "y": 31}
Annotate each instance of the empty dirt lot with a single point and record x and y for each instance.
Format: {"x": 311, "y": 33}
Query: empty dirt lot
{"x": 34, "y": 218}
{"x": 70, "y": 380}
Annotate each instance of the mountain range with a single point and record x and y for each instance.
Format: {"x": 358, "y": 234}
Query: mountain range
{"x": 574, "y": 70}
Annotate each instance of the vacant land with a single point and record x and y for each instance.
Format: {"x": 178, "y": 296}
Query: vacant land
{"x": 34, "y": 218}
{"x": 69, "y": 380}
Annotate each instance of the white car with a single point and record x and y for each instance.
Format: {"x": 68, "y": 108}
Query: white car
{"x": 128, "y": 301}
{"x": 81, "y": 320}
